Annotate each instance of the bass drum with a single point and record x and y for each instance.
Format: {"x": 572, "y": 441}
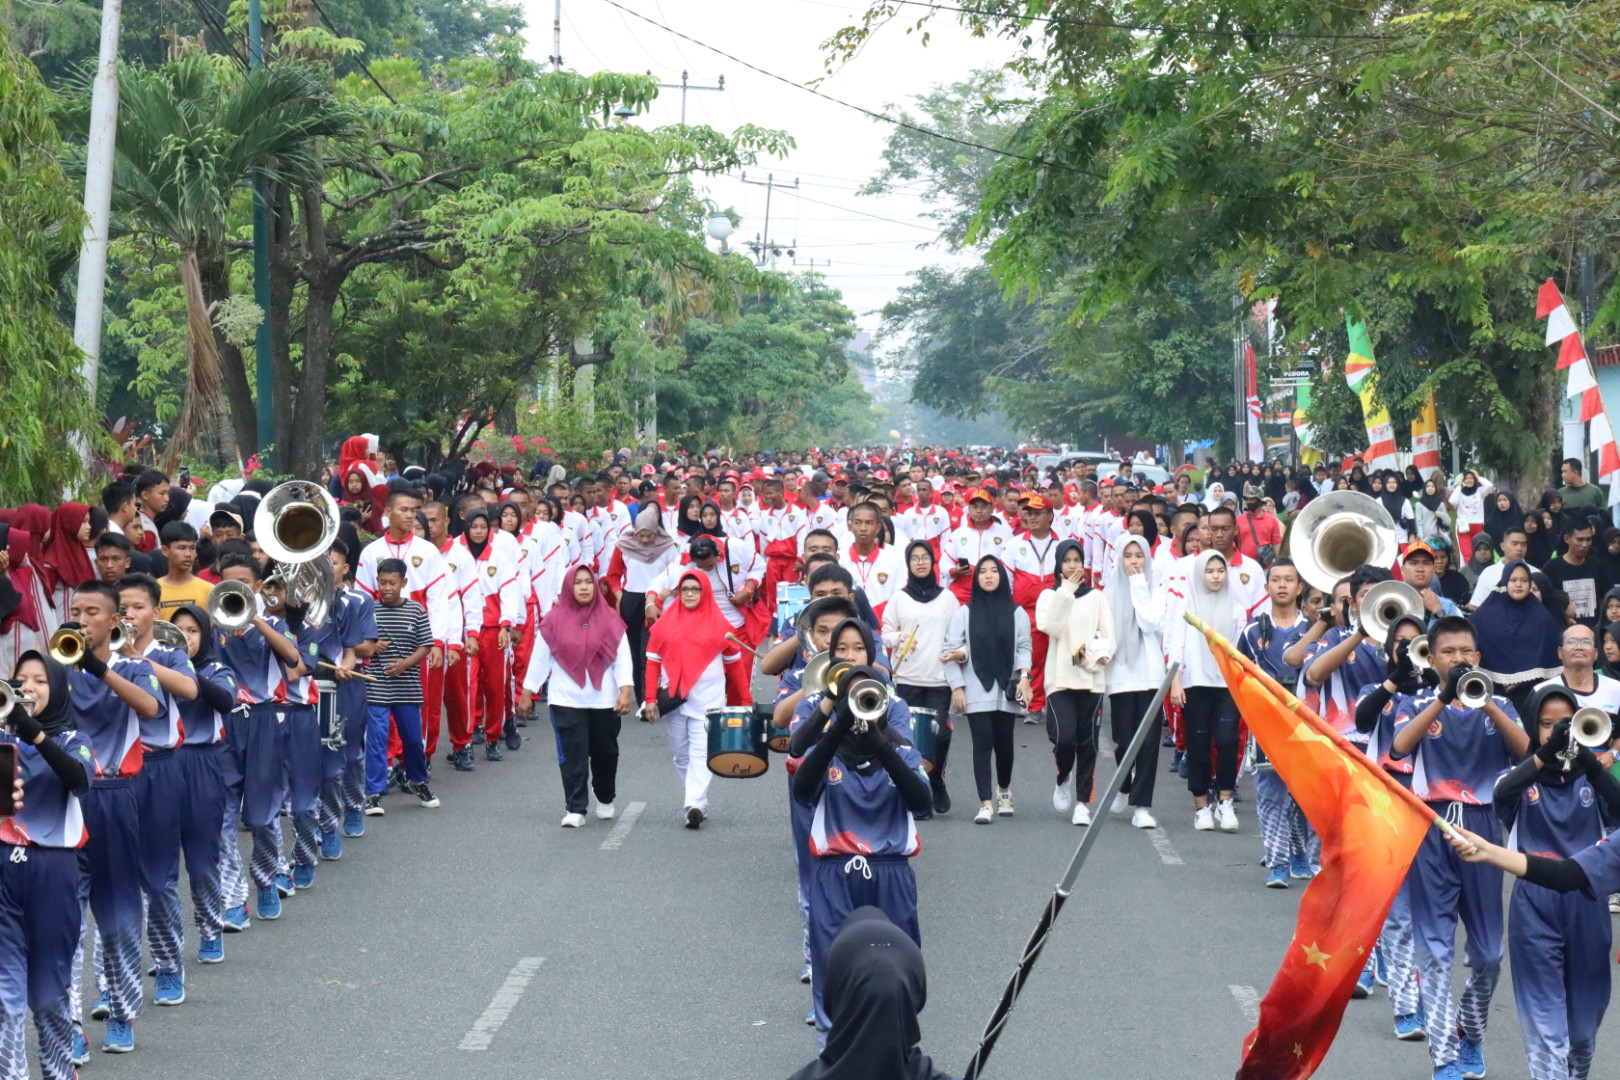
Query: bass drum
{"x": 737, "y": 742}
{"x": 925, "y": 734}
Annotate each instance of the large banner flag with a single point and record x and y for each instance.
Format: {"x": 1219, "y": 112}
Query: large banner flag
{"x": 1370, "y": 828}
{"x": 1426, "y": 437}
{"x": 1361, "y": 372}
{"x": 1581, "y": 382}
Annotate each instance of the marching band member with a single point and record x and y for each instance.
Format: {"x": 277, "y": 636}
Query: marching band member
{"x": 986, "y": 658}
{"x": 1080, "y": 626}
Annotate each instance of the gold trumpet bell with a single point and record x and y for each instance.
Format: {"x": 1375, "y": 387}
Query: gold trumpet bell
{"x": 67, "y": 646}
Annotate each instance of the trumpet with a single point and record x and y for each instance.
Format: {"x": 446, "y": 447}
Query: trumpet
{"x": 232, "y": 606}
{"x": 868, "y": 700}
{"x": 123, "y": 634}
{"x": 1589, "y": 727}
{"x": 67, "y": 646}
{"x": 11, "y": 698}
{"x": 166, "y": 633}
{"x": 1474, "y": 689}
{"x": 1418, "y": 652}
{"x": 1385, "y": 604}
{"x": 822, "y": 672}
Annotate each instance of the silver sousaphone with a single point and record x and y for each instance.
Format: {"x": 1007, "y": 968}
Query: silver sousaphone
{"x": 1336, "y": 533}
{"x": 295, "y": 525}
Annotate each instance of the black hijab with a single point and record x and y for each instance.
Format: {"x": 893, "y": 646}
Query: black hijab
{"x": 1498, "y": 521}
{"x": 990, "y": 630}
{"x": 1603, "y": 666}
{"x": 1413, "y": 684}
{"x": 1057, "y": 563}
{"x": 205, "y": 645}
{"x": 1392, "y": 501}
{"x": 1539, "y": 544}
{"x": 875, "y": 985}
{"x": 693, "y": 526}
{"x": 495, "y": 519}
{"x": 1600, "y": 552}
{"x": 57, "y": 716}
{"x": 923, "y": 589}
{"x": 1150, "y": 528}
{"x": 1554, "y": 773}
{"x": 477, "y": 549}
{"x": 719, "y": 528}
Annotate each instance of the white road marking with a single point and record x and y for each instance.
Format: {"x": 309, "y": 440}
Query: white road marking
{"x": 501, "y": 1005}
{"x": 1247, "y": 1000}
{"x": 627, "y": 820}
{"x": 1161, "y": 844}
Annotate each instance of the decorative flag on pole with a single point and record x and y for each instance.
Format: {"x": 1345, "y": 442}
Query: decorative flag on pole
{"x": 1361, "y": 372}
{"x": 1251, "y": 402}
{"x": 1370, "y": 828}
{"x": 1581, "y": 383}
{"x": 1426, "y": 438}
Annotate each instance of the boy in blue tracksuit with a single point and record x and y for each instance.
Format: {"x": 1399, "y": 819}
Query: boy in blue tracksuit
{"x": 1458, "y": 754}
{"x": 343, "y": 789}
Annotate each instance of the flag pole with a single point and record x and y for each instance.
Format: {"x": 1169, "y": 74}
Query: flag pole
{"x": 1043, "y": 927}
{"x": 1299, "y": 708}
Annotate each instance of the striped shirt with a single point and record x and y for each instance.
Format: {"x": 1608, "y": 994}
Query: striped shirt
{"x": 406, "y": 629}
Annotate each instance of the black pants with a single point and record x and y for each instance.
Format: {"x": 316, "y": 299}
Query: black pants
{"x": 992, "y": 731}
{"x": 1210, "y": 711}
{"x": 937, "y": 698}
{"x": 587, "y": 747}
{"x": 633, "y": 610}
{"x": 1126, "y": 711}
{"x": 1071, "y": 724}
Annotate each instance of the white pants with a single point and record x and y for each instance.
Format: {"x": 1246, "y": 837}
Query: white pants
{"x": 689, "y": 742}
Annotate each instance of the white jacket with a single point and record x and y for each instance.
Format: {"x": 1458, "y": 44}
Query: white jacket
{"x": 1070, "y": 623}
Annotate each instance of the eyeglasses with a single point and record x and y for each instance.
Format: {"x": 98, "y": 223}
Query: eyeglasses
{"x": 691, "y": 590}
{"x": 1580, "y": 643}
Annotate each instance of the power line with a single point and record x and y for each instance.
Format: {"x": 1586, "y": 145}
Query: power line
{"x": 1157, "y": 28}
{"x": 863, "y": 213}
{"x": 365, "y": 67}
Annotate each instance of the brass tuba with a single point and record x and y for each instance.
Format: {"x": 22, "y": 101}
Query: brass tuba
{"x": 1336, "y": 533}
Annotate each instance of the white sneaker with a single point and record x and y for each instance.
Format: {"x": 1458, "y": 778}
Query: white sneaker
{"x": 604, "y": 811}
{"x": 1226, "y": 816}
{"x": 1082, "y": 814}
{"x": 1004, "y": 805}
{"x": 983, "y": 816}
{"x": 1614, "y": 904}
{"x": 1120, "y": 804}
{"x": 1061, "y": 799}
{"x": 573, "y": 821}
{"x": 1203, "y": 819}
{"x": 1142, "y": 818}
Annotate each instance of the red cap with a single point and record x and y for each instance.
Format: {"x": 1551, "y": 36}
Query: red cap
{"x": 1036, "y": 502}
{"x": 980, "y": 493}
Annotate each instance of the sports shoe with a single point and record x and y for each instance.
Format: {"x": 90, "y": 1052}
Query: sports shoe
{"x": 354, "y": 822}
{"x": 520, "y": 719}
{"x": 1225, "y": 816}
{"x": 984, "y": 816}
{"x": 1278, "y": 877}
{"x": 1203, "y": 819}
{"x": 1448, "y": 1072}
{"x": 102, "y": 1008}
{"x": 304, "y": 876}
{"x": 604, "y": 811}
{"x": 810, "y": 1018}
{"x": 1299, "y": 867}
{"x": 492, "y": 752}
{"x": 285, "y": 885}
{"x": 694, "y": 817}
{"x": 81, "y": 1047}
{"x": 1062, "y": 801}
{"x": 1004, "y": 806}
{"x": 1175, "y": 761}
{"x": 942, "y": 799}
{"x": 424, "y": 796}
{"x": 573, "y": 821}
{"x": 236, "y": 920}
{"x": 269, "y": 903}
{"x": 1470, "y": 1058}
{"x": 120, "y": 1037}
{"x": 514, "y": 739}
{"x": 331, "y": 845}
{"x": 1142, "y": 818}
{"x": 211, "y": 951}
{"x": 373, "y": 806}
{"x": 171, "y": 988}
{"x": 1409, "y": 1028}
{"x": 463, "y": 760}
{"x": 1120, "y": 804}
{"x": 396, "y": 779}
{"x": 804, "y": 976}
{"x": 1364, "y": 985}
{"x": 1081, "y": 815}
{"x": 1614, "y": 904}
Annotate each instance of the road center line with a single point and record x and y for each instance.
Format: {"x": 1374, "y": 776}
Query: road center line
{"x": 1161, "y": 844}
{"x": 615, "y": 839}
{"x": 1248, "y": 1001}
{"x": 501, "y": 1005}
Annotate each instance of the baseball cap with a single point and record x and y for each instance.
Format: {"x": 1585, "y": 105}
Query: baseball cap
{"x": 1035, "y": 502}
{"x": 1418, "y": 548}
{"x": 224, "y": 517}
{"x": 979, "y": 493}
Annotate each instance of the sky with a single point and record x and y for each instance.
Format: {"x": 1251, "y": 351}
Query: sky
{"x": 867, "y": 244}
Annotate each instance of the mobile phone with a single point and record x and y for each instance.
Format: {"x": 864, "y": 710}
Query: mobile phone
{"x": 8, "y": 773}
{"x": 185, "y": 476}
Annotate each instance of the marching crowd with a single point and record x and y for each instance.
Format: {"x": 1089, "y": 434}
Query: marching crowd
{"x": 176, "y": 684}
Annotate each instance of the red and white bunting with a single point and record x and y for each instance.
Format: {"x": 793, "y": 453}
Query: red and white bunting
{"x": 1582, "y": 382}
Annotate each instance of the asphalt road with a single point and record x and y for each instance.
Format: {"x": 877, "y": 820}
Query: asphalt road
{"x": 482, "y": 940}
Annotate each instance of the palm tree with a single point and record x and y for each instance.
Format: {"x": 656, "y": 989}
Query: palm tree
{"x": 190, "y": 135}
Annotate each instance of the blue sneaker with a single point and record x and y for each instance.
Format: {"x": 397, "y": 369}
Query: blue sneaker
{"x": 804, "y": 976}
{"x": 211, "y": 951}
{"x": 236, "y": 919}
{"x": 81, "y": 1047}
{"x": 1380, "y": 971}
{"x": 1448, "y": 1072}
{"x": 284, "y": 885}
{"x": 1409, "y": 1028}
{"x": 1470, "y": 1059}
{"x": 331, "y": 845}
{"x": 810, "y": 1018}
{"x": 1278, "y": 877}
{"x": 1299, "y": 867}
{"x": 102, "y": 1008}
{"x": 303, "y": 876}
{"x": 269, "y": 903}
{"x": 1364, "y": 984}
{"x": 171, "y": 988}
{"x": 354, "y": 823}
{"x": 120, "y": 1037}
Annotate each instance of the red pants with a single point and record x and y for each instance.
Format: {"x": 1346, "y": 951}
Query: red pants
{"x": 457, "y": 704}
{"x": 1037, "y": 671}
{"x": 522, "y": 649}
{"x": 489, "y": 684}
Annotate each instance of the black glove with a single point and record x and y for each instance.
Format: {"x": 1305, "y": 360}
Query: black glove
{"x": 25, "y": 727}
{"x": 1401, "y": 668}
{"x": 1448, "y": 691}
{"x": 92, "y": 665}
{"x": 1324, "y": 615}
{"x": 842, "y": 719}
{"x": 1556, "y": 743}
{"x": 294, "y": 614}
{"x": 1344, "y": 614}
{"x": 1266, "y": 629}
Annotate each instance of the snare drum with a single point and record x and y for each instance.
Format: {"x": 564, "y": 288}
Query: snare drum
{"x": 737, "y": 742}
{"x": 925, "y": 734}
{"x": 775, "y": 737}
{"x": 326, "y": 714}
{"x": 1257, "y": 756}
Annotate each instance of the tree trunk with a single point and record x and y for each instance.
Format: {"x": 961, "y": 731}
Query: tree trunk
{"x": 283, "y": 280}
{"x": 306, "y": 440}
{"x": 199, "y": 423}
{"x": 244, "y": 422}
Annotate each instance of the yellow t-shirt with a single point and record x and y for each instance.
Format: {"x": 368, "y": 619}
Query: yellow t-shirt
{"x": 194, "y": 591}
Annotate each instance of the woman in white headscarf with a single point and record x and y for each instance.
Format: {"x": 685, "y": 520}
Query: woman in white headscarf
{"x": 1136, "y": 597}
{"x": 1214, "y": 495}
{"x": 1208, "y": 712}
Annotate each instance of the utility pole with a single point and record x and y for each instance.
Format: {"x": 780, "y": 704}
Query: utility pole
{"x": 264, "y": 361}
{"x": 98, "y": 170}
{"x": 683, "y": 87}
{"x": 1240, "y": 423}
{"x": 556, "y": 38}
{"x": 764, "y": 242}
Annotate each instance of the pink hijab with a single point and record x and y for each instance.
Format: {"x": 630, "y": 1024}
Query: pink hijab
{"x": 583, "y": 638}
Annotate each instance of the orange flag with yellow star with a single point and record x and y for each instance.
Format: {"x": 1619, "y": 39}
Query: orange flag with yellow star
{"x": 1370, "y": 828}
